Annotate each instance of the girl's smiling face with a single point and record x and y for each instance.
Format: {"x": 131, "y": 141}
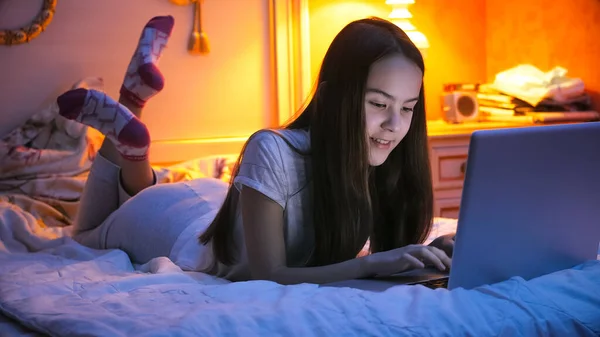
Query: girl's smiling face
{"x": 391, "y": 93}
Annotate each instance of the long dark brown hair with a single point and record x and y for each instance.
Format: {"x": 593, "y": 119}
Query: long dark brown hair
{"x": 391, "y": 203}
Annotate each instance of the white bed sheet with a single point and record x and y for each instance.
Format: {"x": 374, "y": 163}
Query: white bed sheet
{"x": 60, "y": 288}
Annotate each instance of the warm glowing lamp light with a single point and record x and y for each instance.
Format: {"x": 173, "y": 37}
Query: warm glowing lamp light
{"x": 401, "y": 16}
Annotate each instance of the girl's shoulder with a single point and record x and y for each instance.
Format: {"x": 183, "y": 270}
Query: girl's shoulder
{"x": 289, "y": 141}
{"x": 275, "y": 163}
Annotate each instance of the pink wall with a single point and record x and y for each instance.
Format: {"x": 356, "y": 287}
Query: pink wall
{"x": 227, "y": 93}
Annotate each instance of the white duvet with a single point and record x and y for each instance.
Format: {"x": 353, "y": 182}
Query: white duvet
{"x": 60, "y": 288}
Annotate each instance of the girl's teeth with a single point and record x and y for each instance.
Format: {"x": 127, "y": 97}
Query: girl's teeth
{"x": 384, "y": 142}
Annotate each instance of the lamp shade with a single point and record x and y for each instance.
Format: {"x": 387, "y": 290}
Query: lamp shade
{"x": 400, "y": 15}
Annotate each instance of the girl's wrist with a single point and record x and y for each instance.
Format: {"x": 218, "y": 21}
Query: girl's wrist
{"x": 365, "y": 266}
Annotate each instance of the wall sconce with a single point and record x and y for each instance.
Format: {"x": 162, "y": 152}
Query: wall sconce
{"x": 401, "y": 16}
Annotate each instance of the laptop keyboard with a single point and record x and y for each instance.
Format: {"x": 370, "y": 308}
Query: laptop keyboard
{"x": 434, "y": 284}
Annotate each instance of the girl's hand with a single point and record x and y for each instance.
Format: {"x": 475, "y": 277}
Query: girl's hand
{"x": 445, "y": 243}
{"x": 406, "y": 258}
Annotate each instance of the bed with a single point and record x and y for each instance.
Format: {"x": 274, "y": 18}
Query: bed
{"x": 51, "y": 285}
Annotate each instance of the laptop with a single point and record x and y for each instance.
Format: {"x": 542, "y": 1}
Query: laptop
{"x": 530, "y": 206}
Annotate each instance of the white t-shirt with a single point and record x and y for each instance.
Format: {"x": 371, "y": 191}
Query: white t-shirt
{"x": 274, "y": 168}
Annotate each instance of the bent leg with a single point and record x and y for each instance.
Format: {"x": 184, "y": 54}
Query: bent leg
{"x": 124, "y": 133}
{"x": 123, "y": 156}
{"x": 100, "y": 196}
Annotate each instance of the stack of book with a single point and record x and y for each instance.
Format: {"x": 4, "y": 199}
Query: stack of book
{"x": 498, "y": 107}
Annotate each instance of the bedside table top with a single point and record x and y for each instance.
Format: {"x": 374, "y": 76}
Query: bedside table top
{"x": 441, "y": 128}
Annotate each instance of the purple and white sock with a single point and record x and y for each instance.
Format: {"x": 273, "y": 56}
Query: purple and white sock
{"x": 143, "y": 78}
{"x": 97, "y": 110}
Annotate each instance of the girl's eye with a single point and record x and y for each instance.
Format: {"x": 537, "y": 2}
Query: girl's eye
{"x": 407, "y": 109}
{"x": 378, "y": 105}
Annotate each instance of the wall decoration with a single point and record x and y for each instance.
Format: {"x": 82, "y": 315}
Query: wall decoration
{"x": 198, "y": 42}
{"x": 36, "y": 27}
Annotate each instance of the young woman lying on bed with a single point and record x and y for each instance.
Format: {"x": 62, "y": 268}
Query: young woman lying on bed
{"x": 305, "y": 198}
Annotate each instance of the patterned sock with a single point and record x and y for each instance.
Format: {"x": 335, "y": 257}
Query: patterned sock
{"x": 97, "y": 110}
{"x": 143, "y": 78}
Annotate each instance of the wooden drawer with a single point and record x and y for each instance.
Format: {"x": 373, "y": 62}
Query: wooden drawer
{"x": 446, "y": 203}
{"x": 448, "y": 164}
{"x": 447, "y": 208}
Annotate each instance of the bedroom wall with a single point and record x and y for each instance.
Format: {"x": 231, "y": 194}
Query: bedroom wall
{"x": 227, "y": 93}
{"x": 456, "y": 34}
{"x": 566, "y": 35}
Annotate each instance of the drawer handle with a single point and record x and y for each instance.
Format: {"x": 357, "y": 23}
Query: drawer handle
{"x": 463, "y": 167}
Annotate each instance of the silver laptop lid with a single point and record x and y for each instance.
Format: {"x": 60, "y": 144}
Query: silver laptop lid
{"x": 530, "y": 204}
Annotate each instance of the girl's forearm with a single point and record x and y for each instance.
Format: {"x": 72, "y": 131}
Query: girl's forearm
{"x": 347, "y": 270}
